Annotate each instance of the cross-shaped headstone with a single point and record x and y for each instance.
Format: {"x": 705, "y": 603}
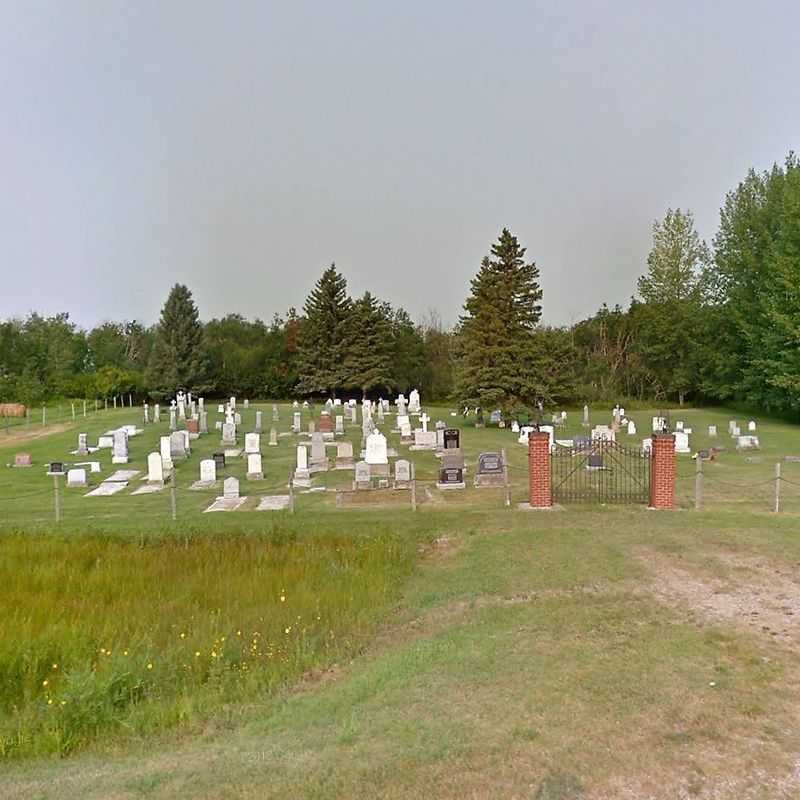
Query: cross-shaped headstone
{"x": 424, "y": 419}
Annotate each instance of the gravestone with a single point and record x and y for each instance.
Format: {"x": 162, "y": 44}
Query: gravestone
{"x": 339, "y": 429}
{"x": 177, "y": 445}
{"x": 682, "y": 442}
{"x": 208, "y": 470}
{"x": 402, "y": 474}
{"x": 173, "y": 419}
{"x": 679, "y": 425}
{"x": 496, "y": 417}
{"x": 237, "y": 418}
{"x": 363, "y": 476}
{"x": 586, "y": 416}
{"x": 156, "y": 413}
{"x": 203, "y": 421}
{"x": 275, "y": 415}
{"x": 631, "y": 428}
{"x": 193, "y": 427}
{"x": 228, "y": 433}
{"x": 490, "y": 470}
{"x": 155, "y": 469}
{"x": 296, "y": 422}
{"x": 83, "y": 444}
{"x": 219, "y": 460}
{"x": 76, "y": 479}
{"x": 413, "y": 402}
{"x": 712, "y": 430}
{"x": 747, "y": 443}
{"x": 603, "y": 433}
{"x": 452, "y": 439}
{"x": 312, "y": 427}
{"x": 255, "y": 471}
{"x": 120, "y": 455}
{"x": 23, "y": 460}
{"x": 252, "y": 443}
{"x": 326, "y": 427}
{"x": 751, "y": 426}
{"x": 514, "y": 426}
{"x": 451, "y": 473}
{"x": 56, "y": 468}
{"x": 344, "y": 455}
{"x": 246, "y": 403}
{"x": 166, "y": 452}
{"x": 318, "y": 457}
{"x": 230, "y": 488}
{"x": 273, "y": 437}
{"x": 259, "y": 418}
{"x": 524, "y": 432}
{"x": 302, "y": 477}
{"x": 647, "y": 445}
{"x": 377, "y": 455}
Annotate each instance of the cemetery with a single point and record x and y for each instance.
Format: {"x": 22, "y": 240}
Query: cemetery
{"x": 119, "y": 473}
{"x": 366, "y": 434}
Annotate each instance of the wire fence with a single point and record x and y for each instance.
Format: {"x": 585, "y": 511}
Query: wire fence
{"x": 45, "y": 415}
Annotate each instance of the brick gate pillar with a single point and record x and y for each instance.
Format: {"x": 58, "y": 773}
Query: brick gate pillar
{"x": 662, "y": 479}
{"x": 539, "y": 469}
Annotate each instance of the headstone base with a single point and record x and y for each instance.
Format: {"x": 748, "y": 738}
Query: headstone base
{"x": 255, "y": 476}
{"x": 461, "y": 485}
{"x": 379, "y": 470}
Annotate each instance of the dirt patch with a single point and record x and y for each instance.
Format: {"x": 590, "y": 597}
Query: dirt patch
{"x": 746, "y": 591}
{"x": 21, "y": 435}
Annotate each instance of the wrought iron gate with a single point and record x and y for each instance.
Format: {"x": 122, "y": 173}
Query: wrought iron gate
{"x": 600, "y": 471}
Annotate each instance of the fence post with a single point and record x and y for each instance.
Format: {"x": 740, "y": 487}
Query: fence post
{"x": 84, "y": 408}
{"x": 57, "y": 498}
{"x": 698, "y": 484}
{"x": 73, "y": 412}
{"x": 413, "y": 487}
{"x": 44, "y": 415}
{"x": 505, "y": 478}
{"x": 777, "y": 487}
{"x": 173, "y": 499}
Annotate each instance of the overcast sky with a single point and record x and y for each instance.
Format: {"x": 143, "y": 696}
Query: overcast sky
{"x": 241, "y": 147}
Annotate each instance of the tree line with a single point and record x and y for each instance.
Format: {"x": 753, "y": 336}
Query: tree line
{"x": 708, "y": 323}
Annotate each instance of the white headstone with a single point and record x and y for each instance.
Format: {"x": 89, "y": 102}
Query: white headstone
{"x": 208, "y": 470}
{"x": 402, "y": 471}
{"x": 120, "y": 455}
{"x": 377, "y": 449}
{"x": 166, "y": 451}
{"x": 228, "y": 433}
{"x": 302, "y": 457}
{"x": 751, "y": 426}
{"x": 76, "y": 478}
{"x": 230, "y": 488}
{"x": 682, "y": 442}
{"x": 712, "y": 430}
{"x": 631, "y": 428}
{"x": 254, "y": 468}
{"x": 252, "y": 443}
{"x": 155, "y": 468}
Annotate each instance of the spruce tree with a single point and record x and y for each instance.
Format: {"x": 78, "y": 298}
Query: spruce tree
{"x": 497, "y": 342}
{"x": 178, "y": 359}
{"x": 324, "y": 335}
{"x": 368, "y": 364}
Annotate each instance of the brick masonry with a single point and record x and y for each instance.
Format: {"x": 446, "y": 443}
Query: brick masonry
{"x": 662, "y": 479}
{"x": 539, "y": 470}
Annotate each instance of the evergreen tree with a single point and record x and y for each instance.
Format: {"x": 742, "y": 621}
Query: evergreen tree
{"x": 324, "y": 335}
{"x": 368, "y": 364}
{"x": 497, "y": 343}
{"x": 178, "y": 358}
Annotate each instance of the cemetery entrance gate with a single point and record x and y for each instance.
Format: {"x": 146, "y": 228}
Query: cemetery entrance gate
{"x": 600, "y": 471}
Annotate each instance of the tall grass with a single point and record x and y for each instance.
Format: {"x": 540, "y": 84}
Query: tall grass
{"x": 102, "y": 636}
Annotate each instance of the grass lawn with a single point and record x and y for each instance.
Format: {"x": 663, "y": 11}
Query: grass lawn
{"x": 598, "y": 652}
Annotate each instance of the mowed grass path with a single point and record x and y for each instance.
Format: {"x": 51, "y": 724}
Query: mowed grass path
{"x": 529, "y": 655}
